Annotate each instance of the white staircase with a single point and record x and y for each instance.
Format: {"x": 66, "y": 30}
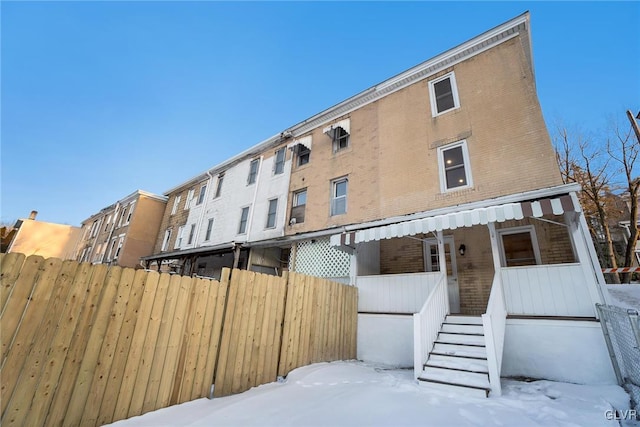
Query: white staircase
{"x": 458, "y": 360}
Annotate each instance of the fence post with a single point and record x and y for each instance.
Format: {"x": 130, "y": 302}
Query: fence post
{"x": 633, "y": 318}
{"x": 607, "y": 339}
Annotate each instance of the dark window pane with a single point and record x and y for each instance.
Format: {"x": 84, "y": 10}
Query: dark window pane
{"x": 444, "y": 95}
{"x": 453, "y": 157}
{"x": 456, "y": 177}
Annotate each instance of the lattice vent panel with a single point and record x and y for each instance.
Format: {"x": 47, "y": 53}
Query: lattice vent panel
{"x": 318, "y": 258}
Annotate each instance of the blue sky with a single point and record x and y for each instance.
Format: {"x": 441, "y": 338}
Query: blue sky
{"x": 102, "y": 98}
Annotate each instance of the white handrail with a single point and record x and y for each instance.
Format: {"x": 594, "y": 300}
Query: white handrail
{"x": 494, "y": 324}
{"x": 427, "y": 324}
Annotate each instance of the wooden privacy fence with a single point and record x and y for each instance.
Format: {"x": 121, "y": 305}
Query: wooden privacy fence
{"x": 89, "y": 344}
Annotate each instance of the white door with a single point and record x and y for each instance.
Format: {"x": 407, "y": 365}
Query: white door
{"x": 431, "y": 262}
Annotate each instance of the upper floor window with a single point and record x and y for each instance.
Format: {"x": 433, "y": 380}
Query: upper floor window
{"x": 179, "y": 237}
{"x": 453, "y": 163}
{"x": 244, "y": 216}
{"x": 340, "y": 139}
{"x": 131, "y": 206}
{"x": 176, "y": 203}
{"x": 304, "y": 155}
{"x": 339, "y": 196}
{"x": 203, "y": 190}
{"x": 165, "y": 240}
{"x": 192, "y": 231}
{"x": 219, "y": 186}
{"x": 298, "y": 206}
{"x": 271, "y": 213}
{"x": 187, "y": 203}
{"x": 278, "y": 166}
{"x": 253, "y": 171}
{"x": 209, "y": 228}
{"x": 444, "y": 94}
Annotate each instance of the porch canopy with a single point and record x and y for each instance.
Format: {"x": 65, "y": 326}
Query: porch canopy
{"x": 459, "y": 219}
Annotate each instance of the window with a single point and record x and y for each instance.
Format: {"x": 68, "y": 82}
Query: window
{"x": 278, "y": 167}
{"x": 179, "y": 237}
{"x": 203, "y": 190}
{"x": 165, "y": 240}
{"x": 253, "y": 171}
{"x": 340, "y": 139}
{"x": 219, "y": 186}
{"x": 111, "y": 248}
{"x": 106, "y": 224}
{"x": 187, "y": 203}
{"x": 444, "y": 94}
{"x": 271, "y": 213}
{"x": 519, "y": 246}
{"x": 176, "y": 203}
{"x": 453, "y": 162}
{"x": 133, "y": 205}
{"x": 339, "y": 196}
{"x": 244, "y": 216}
{"x": 298, "y": 206}
{"x": 304, "y": 154}
{"x": 191, "y": 233}
{"x": 209, "y": 228}
{"x": 120, "y": 243}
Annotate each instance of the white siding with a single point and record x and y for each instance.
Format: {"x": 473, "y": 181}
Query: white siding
{"x": 236, "y": 194}
{"x": 395, "y": 293}
{"x": 547, "y": 290}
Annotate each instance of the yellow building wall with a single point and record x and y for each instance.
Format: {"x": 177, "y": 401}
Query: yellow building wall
{"x": 46, "y": 239}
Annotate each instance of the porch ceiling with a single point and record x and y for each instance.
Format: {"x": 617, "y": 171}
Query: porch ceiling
{"x": 462, "y": 218}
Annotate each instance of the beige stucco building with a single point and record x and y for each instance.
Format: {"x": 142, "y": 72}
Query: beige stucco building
{"x": 49, "y": 240}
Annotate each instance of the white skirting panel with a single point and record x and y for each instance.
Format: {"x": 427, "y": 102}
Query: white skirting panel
{"x": 560, "y": 350}
{"x": 386, "y": 339}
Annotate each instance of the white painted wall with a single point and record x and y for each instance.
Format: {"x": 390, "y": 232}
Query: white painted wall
{"x": 235, "y": 195}
{"x": 395, "y": 293}
{"x": 560, "y": 350}
{"x": 386, "y": 339}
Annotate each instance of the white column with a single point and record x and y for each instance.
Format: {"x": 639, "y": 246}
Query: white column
{"x": 442, "y": 262}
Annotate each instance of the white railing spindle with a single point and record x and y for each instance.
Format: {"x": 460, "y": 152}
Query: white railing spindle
{"x": 494, "y": 324}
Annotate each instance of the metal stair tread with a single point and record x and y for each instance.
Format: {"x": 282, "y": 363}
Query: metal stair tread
{"x": 459, "y": 378}
{"x": 448, "y": 349}
{"x": 465, "y": 339}
{"x": 459, "y": 363}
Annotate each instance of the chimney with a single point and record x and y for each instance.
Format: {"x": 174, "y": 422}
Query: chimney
{"x": 33, "y": 215}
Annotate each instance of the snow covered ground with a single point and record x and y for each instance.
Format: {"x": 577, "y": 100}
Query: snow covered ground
{"x": 358, "y": 394}
{"x": 627, "y": 296}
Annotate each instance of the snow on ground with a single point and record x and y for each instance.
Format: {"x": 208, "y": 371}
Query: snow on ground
{"x": 358, "y": 394}
{"x": 627, "y": 296}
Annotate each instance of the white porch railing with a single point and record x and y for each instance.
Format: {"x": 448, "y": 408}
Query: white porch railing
{"x": 494, "y": 324}
{"x": 427, "y": 323}
{"x": 547, "y": 290}
{"x": 395, "y": 293}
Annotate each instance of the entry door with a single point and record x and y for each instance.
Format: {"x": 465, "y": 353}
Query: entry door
{"x": 431, "y": 261}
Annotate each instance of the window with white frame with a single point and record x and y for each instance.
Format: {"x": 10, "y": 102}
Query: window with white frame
{"x": 453, "y": 163}
{"x": 187, "y": 203}
{"x": 209, "y": 228}
{"x": 271, "y": 213}
{"x": 278, "y": 166}
{"x": 112, "y": 248}
{"x": 244, "y": 217}
{"x": 179, "y": 237}
{"x": 518, "y": 246}
{"x": 443, "y": 93}
{"x": 176, "y": 203}
{"x": 203, "y": 190}
{"x": 165, "y": 240}
{"x": 339, "y": 196}
{"x": 122, "y": 216}
{"x": 219, "y": 185}
{"x": 106, "y": 224}
{"x": 253, "y": 171}
{"x": 192, "y": 231}
{"x": 119, "y": 248}
{"x": 340, "y": 139}
{"x": 131, "y": 207}
{"x": 298, "y": 206}
{"x": 303, "y": 154}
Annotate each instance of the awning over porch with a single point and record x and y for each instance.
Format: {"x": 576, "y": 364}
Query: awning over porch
{"x": 462, "y": 218}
